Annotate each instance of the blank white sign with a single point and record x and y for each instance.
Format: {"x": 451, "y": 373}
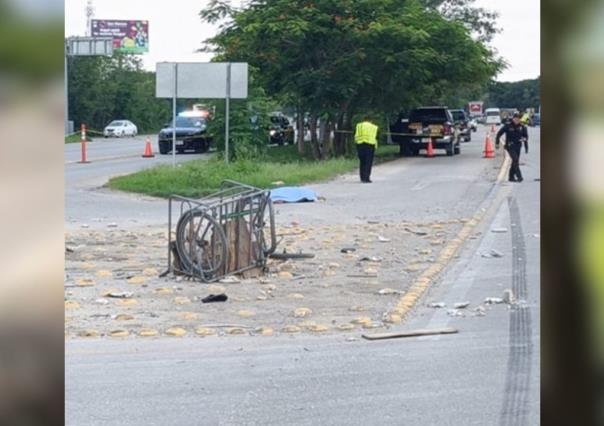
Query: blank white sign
{"x": 201, "y": 80}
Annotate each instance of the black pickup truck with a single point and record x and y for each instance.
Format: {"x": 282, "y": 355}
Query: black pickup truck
{"x": 423, "y": 124}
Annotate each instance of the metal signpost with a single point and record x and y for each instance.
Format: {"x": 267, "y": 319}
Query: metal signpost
{"x": 174, "y": 115}
{"x": 213, "y": 80}
{"x": 227, "y": 113}
{"x": 83, "y": 46}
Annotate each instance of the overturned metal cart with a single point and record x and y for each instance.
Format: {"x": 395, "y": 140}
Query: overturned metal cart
{"x": 229, "y": 232}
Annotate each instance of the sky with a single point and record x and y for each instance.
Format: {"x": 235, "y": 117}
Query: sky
{"x": 176, "y": 31}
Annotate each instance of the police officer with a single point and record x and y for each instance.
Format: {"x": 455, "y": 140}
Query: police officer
{"x": 515, "y": 134}
{"x": 365, "y": 137}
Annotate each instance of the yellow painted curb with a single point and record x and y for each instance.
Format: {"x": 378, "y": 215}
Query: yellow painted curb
{"x": 421, "y": 284}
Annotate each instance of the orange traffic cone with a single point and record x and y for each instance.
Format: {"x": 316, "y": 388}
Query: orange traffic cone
{"x": 493, "y": 128}
{"x": 430, "y": 149}
{"x": 148, "y": 152}
{"x": 489, "y": 152}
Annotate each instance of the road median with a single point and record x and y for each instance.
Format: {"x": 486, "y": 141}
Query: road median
{"x": 199, "y": 178}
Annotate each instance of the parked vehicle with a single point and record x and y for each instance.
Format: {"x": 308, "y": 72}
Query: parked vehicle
{"x": 280, "y": 129}
{"x": 427, "y": 123}
{"x": 191, "y": 134}
{"x": 493, "y": 116}
{"x": 120, "y": 128}
{"x": 473, "y": 124}
{"x": 462, "y": 123}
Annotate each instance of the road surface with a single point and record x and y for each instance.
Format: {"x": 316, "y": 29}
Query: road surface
{"x": 88, "y": 203}
{"x": 487, "y": 374}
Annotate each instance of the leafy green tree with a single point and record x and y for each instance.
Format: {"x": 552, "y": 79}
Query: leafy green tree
{"x": 102, "y": 89}
{"x": 336, "y": 58}
{"x": 248, "y": 123}
{"x": 519, "y": 94}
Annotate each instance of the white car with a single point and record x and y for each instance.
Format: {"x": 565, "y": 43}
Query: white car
{"x": 120, "y": 128}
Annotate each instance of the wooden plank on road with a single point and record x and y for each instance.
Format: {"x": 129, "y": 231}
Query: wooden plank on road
{"x": 411, "y": 333}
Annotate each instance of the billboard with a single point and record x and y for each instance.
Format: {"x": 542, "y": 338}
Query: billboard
{"x": 129, "y": 36}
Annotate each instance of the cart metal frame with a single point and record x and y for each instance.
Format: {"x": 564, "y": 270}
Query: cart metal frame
{"x": 203, "y": 237}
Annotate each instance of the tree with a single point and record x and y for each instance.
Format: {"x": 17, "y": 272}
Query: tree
{"x": 480, "y": 21}
{"x": 519, "y": 94}
{"x": 248, "y": 123}
{"x": 102, "y": 89}
{"x": 334, "y": 58}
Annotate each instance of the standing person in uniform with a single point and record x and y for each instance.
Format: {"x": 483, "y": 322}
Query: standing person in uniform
{"x": 515, "y": 134}
{"x": 365, "y": 137}
{"x": 526, "y": 118}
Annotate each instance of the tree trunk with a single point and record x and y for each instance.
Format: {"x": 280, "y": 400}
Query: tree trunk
{"x": 348, "y": 137}
{"x": 316, "y": 152}
{"x": 301, "y": 131}
{"x": 339, "y": 137}
{"x": 327, "y": 141}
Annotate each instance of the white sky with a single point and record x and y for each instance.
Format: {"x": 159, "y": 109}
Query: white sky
{"x": 176, "y": 31}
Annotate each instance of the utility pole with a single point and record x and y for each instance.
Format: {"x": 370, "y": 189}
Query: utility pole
{"x": 89, "y": 16}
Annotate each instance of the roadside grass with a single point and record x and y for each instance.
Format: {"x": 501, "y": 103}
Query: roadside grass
{"x": 203, "y": 177}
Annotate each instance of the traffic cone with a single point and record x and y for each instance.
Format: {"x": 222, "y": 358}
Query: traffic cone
{"x": 148, "y": 152}
{"x": 430, "y": 149}
{"x": 493, "y": 129}
{"x": 489, "y": 152}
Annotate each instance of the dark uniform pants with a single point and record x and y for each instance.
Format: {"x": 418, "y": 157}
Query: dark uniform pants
{"x": 365, "y": 152}
{"x": 514, "y": 151}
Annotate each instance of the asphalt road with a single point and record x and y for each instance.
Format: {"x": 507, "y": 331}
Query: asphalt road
{"x": 88, "y": 203}
{"x": 487, "y": 374}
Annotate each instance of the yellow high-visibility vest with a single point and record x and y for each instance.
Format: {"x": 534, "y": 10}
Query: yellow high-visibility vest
{"x": 366, "y": 133}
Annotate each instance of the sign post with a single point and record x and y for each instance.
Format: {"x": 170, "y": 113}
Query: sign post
{"x": 174, "y": 115}
{"x": 227, "y": 116}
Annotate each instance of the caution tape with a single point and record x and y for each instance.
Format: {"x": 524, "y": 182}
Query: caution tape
{"x": 94, "y": 131}
{"x": 420, "y": 135}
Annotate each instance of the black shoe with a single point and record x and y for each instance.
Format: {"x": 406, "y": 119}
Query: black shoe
{"x": 215, "y": 298}
{"x": 519, "y": 180}
{"x": 513, "y": 180}
{"x": 367, "y": 181}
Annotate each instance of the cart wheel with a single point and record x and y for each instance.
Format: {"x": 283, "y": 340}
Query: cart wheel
{"x": 201, "y": 244}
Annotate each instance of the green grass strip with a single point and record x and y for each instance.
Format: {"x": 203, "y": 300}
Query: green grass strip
{"x": 203, "y": 177}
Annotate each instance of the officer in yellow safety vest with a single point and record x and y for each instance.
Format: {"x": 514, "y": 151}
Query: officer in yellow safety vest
{"x": 365, "y": 137}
